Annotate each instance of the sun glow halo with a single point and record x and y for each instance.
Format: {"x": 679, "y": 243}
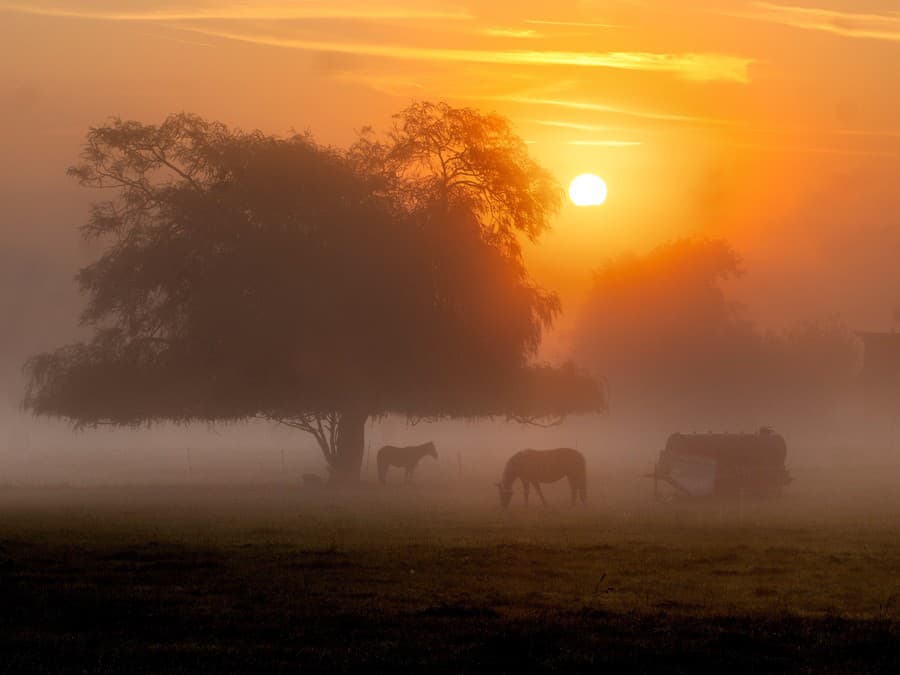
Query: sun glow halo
{"x": 587, "y": 190}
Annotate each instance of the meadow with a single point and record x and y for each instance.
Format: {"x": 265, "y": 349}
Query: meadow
{"x": 436, "y": 576}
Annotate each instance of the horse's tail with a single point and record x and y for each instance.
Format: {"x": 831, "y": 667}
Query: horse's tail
{"x": 382, "y": 466}
{"x": 582, "y": 478}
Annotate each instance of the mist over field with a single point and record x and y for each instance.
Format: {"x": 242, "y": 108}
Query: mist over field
{"x": 715, "y": 372}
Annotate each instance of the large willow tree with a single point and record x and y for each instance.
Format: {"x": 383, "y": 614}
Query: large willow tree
{"x": 246, "y": 276}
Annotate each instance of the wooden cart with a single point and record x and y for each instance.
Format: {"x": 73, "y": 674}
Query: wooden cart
{"x": 722, "y": 465}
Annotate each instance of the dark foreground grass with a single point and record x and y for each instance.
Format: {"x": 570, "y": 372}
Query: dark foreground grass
{"x": 227, "y": 580}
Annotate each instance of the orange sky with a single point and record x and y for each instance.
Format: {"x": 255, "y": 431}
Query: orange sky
{"x": 775, "y": 125}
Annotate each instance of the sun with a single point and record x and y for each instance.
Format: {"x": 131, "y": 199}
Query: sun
{"x": 587, "y": 190}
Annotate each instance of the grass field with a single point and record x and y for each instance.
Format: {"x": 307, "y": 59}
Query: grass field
{"x": 270, "y": 578}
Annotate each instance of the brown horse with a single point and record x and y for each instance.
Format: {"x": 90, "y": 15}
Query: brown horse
{"x": 404, "y": 457}
{"x": 534, "y": 467}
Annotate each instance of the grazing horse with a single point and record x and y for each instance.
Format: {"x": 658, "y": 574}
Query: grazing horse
{"x": 404, "y": 457}
{"x": 534, "y": 467}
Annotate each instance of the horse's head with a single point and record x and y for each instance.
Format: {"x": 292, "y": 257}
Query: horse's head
{"x": 430, "y": 449}
{"x": 506, "y": 494}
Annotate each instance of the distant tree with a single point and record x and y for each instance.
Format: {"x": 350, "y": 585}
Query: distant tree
{"x": 250, "y": 276}
{"x": 813, "y": 364}
{"x": 654, "y": 323}
{"x": 661, "y": 328}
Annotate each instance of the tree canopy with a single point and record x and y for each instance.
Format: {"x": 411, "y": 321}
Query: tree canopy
{"x": 246, "y": 275}
{"x": 437, "y": 158}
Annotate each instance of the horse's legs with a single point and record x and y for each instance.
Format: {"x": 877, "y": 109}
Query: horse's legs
{"x": 409, "y": 474}
{"x": 537, "y": 488}
{"x": 579, "y": 488}
{"x": 526, "y": 486}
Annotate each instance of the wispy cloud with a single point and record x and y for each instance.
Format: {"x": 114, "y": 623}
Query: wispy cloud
{"x": 778, "y": 131}
{"x": 866, "y": 132}
{"x": 590, "y": 128}
{"x": 603, "y": 108}
{"x": 169, "y": 38}
{"x": 605, "y": 144}
{"x": 816, "y": 150}
{"x": 393, "y": 86}
{"x": 575, "y": 126}
{"x": 526, "y": 33}
{"x": 246, "y": 11}
{"x": 697, "y": 67}
{"x": 884, "y": 26}
{"x": 574, "y": 24}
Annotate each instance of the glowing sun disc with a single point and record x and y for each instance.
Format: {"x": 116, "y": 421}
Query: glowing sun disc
{"x": 587, "y": 190}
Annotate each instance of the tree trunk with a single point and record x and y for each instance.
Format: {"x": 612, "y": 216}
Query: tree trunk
{"x": 350, "y": 448}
